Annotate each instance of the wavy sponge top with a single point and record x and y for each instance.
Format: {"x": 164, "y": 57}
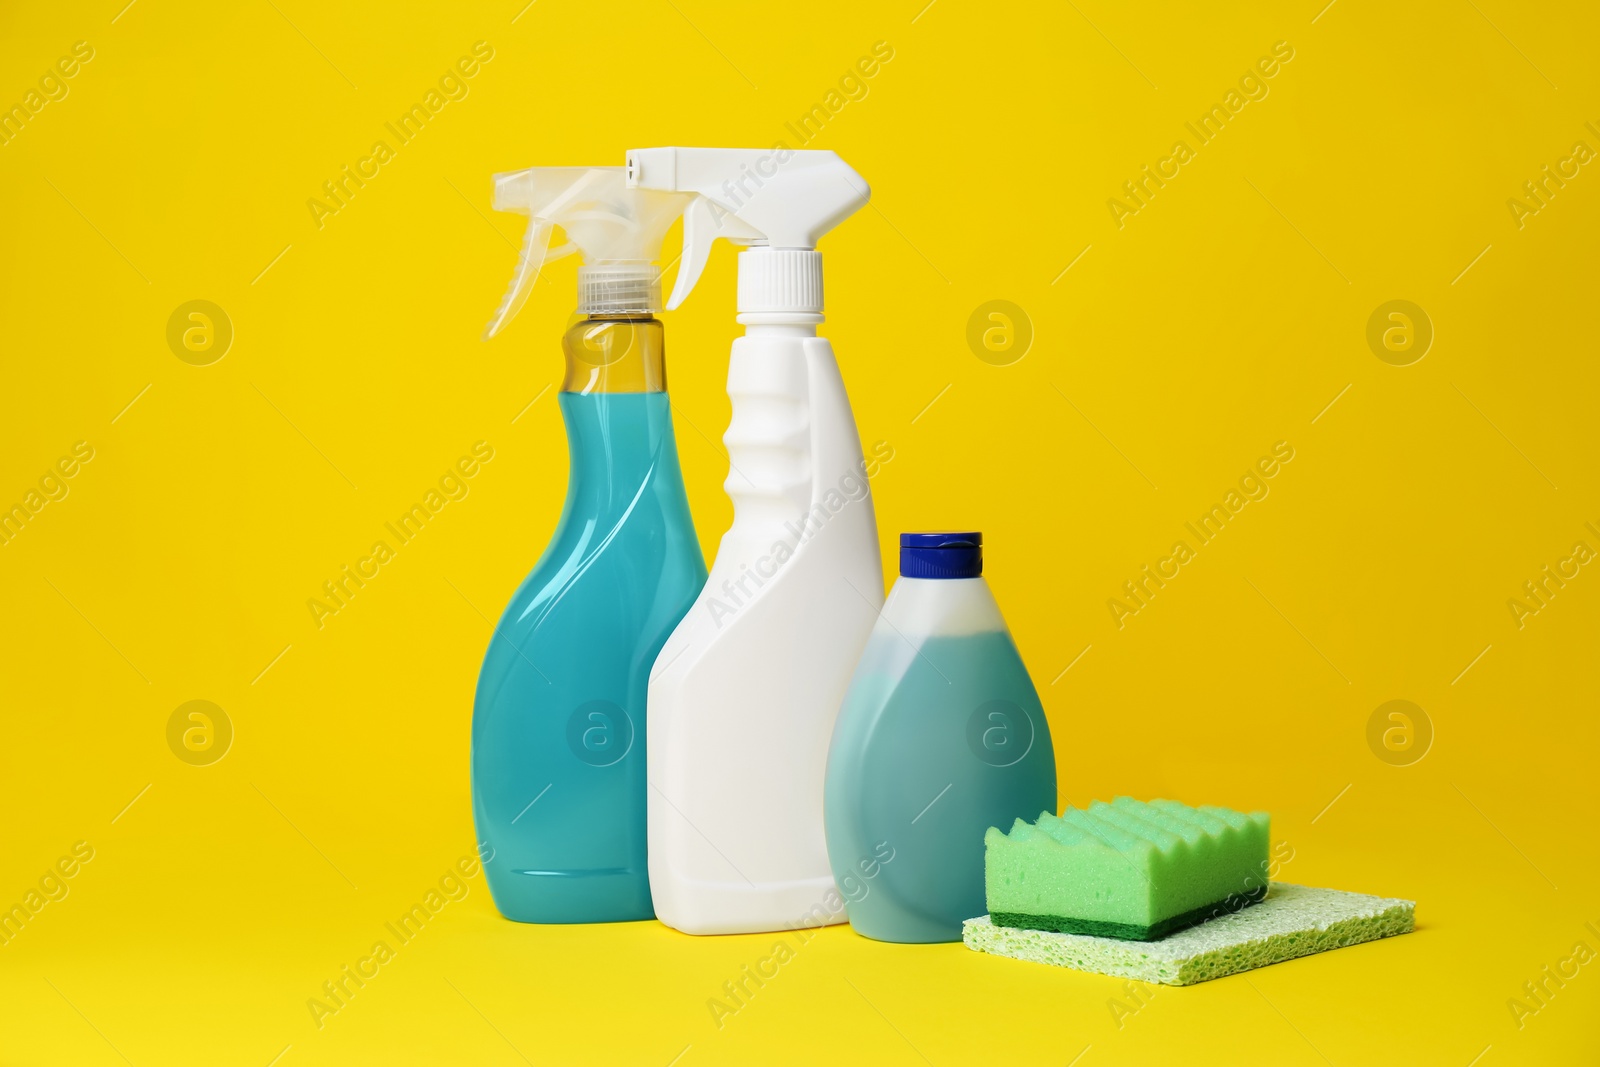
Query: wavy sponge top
{"x": 1129, "y": 868}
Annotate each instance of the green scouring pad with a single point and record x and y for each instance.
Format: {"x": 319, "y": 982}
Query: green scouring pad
{"x": 1292, "y": 921}
{"x": 1129, "y": 869}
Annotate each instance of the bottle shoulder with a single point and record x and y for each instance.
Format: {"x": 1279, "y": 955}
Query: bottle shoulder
{"x": 901, "y": 686}
{"x": 919, "y": 609}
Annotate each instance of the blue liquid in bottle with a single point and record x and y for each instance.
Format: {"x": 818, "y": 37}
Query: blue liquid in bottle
{"x": 558, "y": 730}
{"x": 940, "y": 737}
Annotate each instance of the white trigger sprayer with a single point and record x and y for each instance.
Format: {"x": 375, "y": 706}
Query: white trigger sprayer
{"x": 744, "y": 695}
{"x": 776, "y": 201}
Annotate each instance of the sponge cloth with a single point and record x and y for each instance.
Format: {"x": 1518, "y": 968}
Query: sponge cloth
{"x": 1292, "y": 921}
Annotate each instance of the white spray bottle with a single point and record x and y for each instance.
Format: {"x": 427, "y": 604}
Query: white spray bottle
{"x": 744, "y": 694}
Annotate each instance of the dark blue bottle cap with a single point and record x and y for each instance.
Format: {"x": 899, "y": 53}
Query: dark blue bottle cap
{"x": 941, "y": 555}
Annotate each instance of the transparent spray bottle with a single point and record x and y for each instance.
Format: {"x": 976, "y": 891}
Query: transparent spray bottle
{"x": 558, "y": 728}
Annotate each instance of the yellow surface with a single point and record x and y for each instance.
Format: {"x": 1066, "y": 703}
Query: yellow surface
{"x": 1224, "y": 316}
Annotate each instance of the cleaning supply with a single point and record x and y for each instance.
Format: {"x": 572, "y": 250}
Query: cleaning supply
{"x": 558, "y": 729}
{"x": 941, "y": 737}
{"x": 1128, "y": 869}
{"x": 744, "y": 695}
{"x": 1292, "y": 921}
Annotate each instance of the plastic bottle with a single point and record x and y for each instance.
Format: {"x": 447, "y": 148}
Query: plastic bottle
{"x": 941, "y": 736}
{"x": 744, "y": 695}
{"x": 558, "y": 730}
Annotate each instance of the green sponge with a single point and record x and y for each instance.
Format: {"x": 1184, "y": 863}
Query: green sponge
{"x": 1128, "y": 869}
{"x": 1293, "y": 921}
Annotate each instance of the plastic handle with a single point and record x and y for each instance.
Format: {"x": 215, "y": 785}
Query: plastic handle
{"x": 547, "y": 195}
{"x": 769, "y": 435}
{"x": 702, "y": 225}
{"x": 534, "y": 255}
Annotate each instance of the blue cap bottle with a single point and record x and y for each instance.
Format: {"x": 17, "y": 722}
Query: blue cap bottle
{"x": 941, "y": 736}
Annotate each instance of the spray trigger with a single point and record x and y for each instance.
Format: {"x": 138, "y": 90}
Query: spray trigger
{"x": 703, "y": 223}
{"x": 617, "y": 230}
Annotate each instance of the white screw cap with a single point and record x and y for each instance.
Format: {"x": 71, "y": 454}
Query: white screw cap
{"x": 780, "y": 281}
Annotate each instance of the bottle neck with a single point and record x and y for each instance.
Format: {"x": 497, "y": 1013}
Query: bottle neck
{"x": 614, "y": 353}
{"x": 777, "y": 326}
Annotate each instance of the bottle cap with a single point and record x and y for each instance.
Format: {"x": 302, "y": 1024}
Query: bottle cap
{"x": 779, "y": 280}
{"x": 941, "y": 555}
{"x": 619, "y": 289}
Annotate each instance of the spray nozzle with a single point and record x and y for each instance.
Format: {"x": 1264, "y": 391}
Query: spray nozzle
{"x": 617, "y": 229}
{"x": 778, "y": 200}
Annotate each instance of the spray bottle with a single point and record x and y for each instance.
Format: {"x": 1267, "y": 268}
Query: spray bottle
{"x": 558, "y": 728}
{"x": 744, "y": 695}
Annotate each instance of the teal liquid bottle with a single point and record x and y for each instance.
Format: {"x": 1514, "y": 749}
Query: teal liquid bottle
{"x": 558, "y": 730}
{"x": 940, "y": 737}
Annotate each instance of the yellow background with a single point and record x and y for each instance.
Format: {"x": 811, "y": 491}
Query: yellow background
{"x": 1224, "y": 316}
